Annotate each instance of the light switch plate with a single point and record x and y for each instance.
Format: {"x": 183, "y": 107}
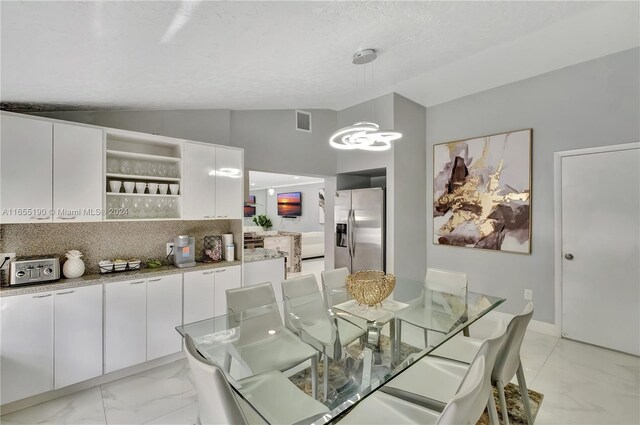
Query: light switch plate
{"x": 528, "y": 294}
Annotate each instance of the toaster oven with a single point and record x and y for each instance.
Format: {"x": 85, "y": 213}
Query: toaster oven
{"x": 36, "y": 269}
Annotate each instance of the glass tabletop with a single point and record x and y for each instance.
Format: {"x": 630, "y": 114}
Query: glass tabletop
{"x": 391, "y": 340}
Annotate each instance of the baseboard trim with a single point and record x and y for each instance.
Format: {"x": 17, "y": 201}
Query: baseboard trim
{"x": 90, "y": 383}
{"x": 544, "y": 328}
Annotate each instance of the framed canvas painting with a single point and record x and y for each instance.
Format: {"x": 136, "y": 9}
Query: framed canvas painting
{"x": 482, "y": 192}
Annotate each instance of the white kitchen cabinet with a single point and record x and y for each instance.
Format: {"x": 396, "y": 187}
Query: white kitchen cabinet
{"x": 199, "y": 290}
{"x": 77, "y": 335}
{"x": 26, "y": 352}
{"x": 125, "y": 339}
{"x": 77, "y": 173}
{"x": 26, "y": 149}
{"x": 229, "y": 183}
{"x": 164, "y": 313}
{"x": 204, "y": 292}
{"x": 226, "y": 278}
{"x": 198, "y": 181}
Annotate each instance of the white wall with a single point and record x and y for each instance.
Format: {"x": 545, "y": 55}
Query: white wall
{"x": 308, "y": 222}
{"x": 595, "y": 103}
{"x": 272, "y": 143}
{"x": 203, "y": 125}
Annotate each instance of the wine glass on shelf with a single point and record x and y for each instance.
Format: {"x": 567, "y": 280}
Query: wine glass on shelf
{"x": 173, "y": 170}
{"x": 149, "y": 207}
{"x": 125, "y": 205}
{"x": 125, "y": 166}
{"x": 112, "y": 205}
{"x": 153, "y": 169}
{"x": 163, "y": 169}
{"x": 138, "y": 168}
{"x": 136, "y": 207}
{"x": 113, "y": 165}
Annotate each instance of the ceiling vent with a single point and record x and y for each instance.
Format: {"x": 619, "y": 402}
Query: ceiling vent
{"x": 303, "y": 121}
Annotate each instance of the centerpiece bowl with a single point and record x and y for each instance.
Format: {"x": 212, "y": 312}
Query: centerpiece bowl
{"x": 370, "y": 287}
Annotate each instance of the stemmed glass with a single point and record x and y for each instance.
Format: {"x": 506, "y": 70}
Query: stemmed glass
{"x": 149, "y": 207}
{"x": 139, "y": 168}
{"x": 153, "y": 169}
{"x": 125, "y": 166}
{"x": 163, "y": 169}
{"x": 136, "y": 207}
{"x": 113, "y": 165}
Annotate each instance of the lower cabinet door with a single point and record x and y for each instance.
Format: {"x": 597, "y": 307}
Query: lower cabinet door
{"x": 26, "y": 349}
{"x": 125, "y": 339}
{"x": 226, "y": 278}
{"x": 78, "y": 335}
{"x": 164, "y": 313}
{"x": 198, "y": 296}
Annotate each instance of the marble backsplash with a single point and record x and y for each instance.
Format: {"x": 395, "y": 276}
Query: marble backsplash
{"x": 110, "y": 240}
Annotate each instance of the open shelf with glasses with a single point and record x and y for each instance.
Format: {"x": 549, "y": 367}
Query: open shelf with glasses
{"x": 142, "y": 158}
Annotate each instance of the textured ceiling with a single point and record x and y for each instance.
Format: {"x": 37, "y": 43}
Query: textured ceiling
{"x": 260, "y": 55}
{"x": 260, "y": 180}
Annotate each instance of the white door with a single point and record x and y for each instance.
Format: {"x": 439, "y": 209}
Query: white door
{"x": 25, "y": 170}
{"x": 600, "y": 249}
{"x": 164, "y": 313}
{"x": 78, "y": 335}
{"x": 125, "y": 324}
{"x": 77, "y": 173}
{"x": 229, "y": 183}
{"x": 26, "y": 350}
{"x": 198, "y": 296}
{"x": 198, "y": 182}
{"x": 227, "y": 278}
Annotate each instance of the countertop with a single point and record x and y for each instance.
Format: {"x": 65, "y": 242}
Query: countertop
{"x": 97, "y": 279}
{"x": 260, "y": 254}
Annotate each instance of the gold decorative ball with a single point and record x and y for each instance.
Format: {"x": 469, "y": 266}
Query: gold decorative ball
{"x": 370, "y": 287}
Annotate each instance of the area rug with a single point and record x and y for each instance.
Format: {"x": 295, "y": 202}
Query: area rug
{"x": 337, "y": 378}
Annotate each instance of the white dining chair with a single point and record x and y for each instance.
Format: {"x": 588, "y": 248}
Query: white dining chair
{"x": 436, "y": 380}
{"x": 464, "y": 408}
{"x": 218, "y": 403}
{"x": 307, "y": 314}
{"x": 264, "y": 343}
{"x": 334, "y": 286}
{"x": 445, "y": 281}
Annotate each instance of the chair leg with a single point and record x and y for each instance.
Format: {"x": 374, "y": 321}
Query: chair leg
{"x": 525, "y": 394}
{"x": 493, "y": 413}
{"x": 426, "y": 338}
{"x": 325, "y": 378}
{"x": 314, "y": 377}
{"x": 503, "y": 403}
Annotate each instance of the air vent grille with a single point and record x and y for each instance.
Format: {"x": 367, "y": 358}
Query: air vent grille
{"x": 303, "y": 121}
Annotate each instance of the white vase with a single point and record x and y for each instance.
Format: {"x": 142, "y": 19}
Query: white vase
{"x": 74, "y": 266}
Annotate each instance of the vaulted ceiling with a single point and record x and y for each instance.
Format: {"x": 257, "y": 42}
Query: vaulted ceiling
{"x": 271, "y": 55}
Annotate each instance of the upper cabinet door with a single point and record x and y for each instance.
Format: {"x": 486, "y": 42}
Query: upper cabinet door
{"x": 77, "y": 173}
{"x": 229, "y": 183}
{"x": 25, "y": 170}
{"x": 198, "y": 181}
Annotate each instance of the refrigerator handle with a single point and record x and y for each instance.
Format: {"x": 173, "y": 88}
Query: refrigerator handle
{"x": 352, "y": 233}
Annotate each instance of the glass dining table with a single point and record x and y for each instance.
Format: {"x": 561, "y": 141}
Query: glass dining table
{"x": 391, "y": 342}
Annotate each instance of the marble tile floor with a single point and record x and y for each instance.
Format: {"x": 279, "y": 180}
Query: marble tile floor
{"x": 581, "y": 385}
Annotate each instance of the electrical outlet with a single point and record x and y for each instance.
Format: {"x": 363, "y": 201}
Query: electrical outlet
{"x": 169, "y": 248}
{"x": 528, "y": 294}
{"x": 12, "y": 257}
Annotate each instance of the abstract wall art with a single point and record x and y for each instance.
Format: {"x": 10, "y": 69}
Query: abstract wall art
{"x": 482, "y": 192}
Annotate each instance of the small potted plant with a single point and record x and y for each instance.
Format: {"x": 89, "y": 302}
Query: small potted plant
{"x": 263, "y": 221}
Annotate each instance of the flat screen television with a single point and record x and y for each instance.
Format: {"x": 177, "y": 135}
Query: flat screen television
{"x": 250, "y": 210}
{"x": 290, "y": 204}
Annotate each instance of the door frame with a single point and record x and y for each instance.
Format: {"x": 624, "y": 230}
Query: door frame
{"x": 557, "y": 212}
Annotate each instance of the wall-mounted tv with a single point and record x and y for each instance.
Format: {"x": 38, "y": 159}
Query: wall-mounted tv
{"x": 290, "y": 204}
{"x": 250, "y": 210}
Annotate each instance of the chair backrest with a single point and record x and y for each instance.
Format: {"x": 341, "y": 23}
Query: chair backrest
{"x": 466, "y": 407}
{"x": 254, "y": 310}
{"x": 217, "y": 403}
{"x": 508, "y": 358}
{"x": 489, "y": 351}
{"x": 334, "y": 286}
{"x": 446, "y": 281}
{"x": 303, "y": 302}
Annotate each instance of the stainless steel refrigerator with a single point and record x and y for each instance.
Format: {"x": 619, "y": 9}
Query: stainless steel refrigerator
{"x": 360, "y": 229}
